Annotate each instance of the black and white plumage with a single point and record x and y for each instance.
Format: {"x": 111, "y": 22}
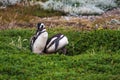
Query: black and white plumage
{"x": 55, "y": 43}
{"x": 38, "y": 41}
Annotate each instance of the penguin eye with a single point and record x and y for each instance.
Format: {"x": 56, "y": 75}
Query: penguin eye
{"x": 40, "y": 26}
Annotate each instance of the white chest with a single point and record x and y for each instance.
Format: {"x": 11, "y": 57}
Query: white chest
{"x": 40, "y": 43}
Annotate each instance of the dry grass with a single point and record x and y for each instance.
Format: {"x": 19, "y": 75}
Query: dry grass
{"x": 24, "y": 17}
{"x": 12, "y": 16}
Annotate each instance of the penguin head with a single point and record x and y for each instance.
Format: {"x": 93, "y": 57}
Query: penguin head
{"x": 41, "y": 27}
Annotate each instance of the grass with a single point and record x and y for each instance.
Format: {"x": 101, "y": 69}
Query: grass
{"x": 17, "y": 62}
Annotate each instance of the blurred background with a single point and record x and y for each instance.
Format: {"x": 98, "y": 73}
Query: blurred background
{"x": 84, "y": 14}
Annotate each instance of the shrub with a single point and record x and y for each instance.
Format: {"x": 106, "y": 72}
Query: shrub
{"x": 108, "y": 41}
{"x": 9, "y": 2}
{"x": 117, "y": 2}
{"x": 77, "y": 7}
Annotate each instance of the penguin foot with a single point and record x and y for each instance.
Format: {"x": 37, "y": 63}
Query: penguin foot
{"x": 63, "y": 51}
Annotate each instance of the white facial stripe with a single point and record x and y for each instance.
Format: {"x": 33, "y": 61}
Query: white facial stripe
{"x": 42, "y": 25}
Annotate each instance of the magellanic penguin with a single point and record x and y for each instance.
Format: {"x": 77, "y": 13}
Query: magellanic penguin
{"x": 38, "y": 41}
{"x": 55, "y": 43}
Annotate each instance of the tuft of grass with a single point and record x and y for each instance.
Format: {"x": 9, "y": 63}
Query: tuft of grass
{"x": 107, "y": 40}
{"x": 18, "y": 62}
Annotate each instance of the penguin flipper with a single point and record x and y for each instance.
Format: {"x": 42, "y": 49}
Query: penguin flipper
{"x": 32, "y": 40}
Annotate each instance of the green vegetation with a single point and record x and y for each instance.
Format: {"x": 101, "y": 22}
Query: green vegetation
{"x": 93, "y": 62}
{"x": 108, "y": 41}
{"x": 117, "y": 2}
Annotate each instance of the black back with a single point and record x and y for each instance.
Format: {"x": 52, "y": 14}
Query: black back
{"x": 56, "y": 41}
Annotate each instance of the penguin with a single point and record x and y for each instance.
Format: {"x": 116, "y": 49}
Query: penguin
{"x": 55, "y": 43}
{"x": 38, "y": 41}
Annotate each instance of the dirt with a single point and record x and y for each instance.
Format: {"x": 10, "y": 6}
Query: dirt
{"x": 108, "y": 20}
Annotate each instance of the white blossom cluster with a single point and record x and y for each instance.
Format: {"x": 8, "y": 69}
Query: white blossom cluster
{"x": 78, "y": 7}
{"x": 9, "y": 2}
